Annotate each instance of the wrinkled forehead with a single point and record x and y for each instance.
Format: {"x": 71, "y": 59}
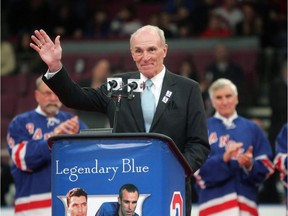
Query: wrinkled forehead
{"x": 224, "y": 90}
{"x": 146, "y": 38}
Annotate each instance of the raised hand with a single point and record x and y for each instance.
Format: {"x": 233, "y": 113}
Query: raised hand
{"x": 49, "y": 51}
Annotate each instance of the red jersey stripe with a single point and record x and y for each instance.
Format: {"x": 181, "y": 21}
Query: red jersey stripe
{"x": 218, "y": 208}
{"x": 33, "y": 205}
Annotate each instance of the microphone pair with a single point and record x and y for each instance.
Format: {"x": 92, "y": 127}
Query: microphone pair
{"x": 113, "y": 84}
{"x": 116, "y": 84}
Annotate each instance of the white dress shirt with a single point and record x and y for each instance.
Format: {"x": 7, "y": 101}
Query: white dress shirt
{"x": 157, "y": 84}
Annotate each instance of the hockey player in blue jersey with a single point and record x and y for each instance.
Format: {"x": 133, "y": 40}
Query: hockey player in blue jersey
{"x": 126, "y": 205}
{"x": 281, "y": 159}
{"x": 30, "y": 154}
{"x": 240, "y": 158}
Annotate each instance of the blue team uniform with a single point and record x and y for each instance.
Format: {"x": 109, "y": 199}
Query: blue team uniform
{"x": 109, "y": 209}
{"x": 31, "y": 160}
{"x": 281, "y": 158}
{"x": 226, "y": 188}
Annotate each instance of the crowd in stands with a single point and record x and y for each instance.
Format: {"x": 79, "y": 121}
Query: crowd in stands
{"x": 101, "y": 20}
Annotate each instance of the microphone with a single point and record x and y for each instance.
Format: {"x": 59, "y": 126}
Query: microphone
{"x": 135, "y": 85}
{"x": 114, "y": 84}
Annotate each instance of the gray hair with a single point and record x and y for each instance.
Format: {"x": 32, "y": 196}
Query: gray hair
{"x": 38, "y": 82}
{"x": 151, "y": 28}
{"x": 221, "y": 83}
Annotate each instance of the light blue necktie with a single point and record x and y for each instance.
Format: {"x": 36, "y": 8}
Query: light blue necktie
{"x": 148, "y": 104}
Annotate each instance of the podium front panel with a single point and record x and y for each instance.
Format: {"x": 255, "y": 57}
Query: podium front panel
{"x": 101, "y": 166}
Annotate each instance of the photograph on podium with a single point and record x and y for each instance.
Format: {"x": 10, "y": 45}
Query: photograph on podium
{"x": 133, "y": 173}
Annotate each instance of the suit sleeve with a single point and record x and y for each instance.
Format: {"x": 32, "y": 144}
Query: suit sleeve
{"x": 73, "y": 96}
{"x": 197, "y": 147}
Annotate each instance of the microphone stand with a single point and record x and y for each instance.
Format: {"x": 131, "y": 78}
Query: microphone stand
{"x": 130, "y": 94}
{"x": 118, "y": 105}
{"x": 116, "y": 114}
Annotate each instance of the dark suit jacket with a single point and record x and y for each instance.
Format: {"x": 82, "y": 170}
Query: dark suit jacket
{"x": 182, "y": 117}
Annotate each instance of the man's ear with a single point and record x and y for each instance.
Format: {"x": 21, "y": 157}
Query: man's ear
{"x": 36, "y": 95}
{"x": 165, "y": 50}
{"x": 132, "y": 55}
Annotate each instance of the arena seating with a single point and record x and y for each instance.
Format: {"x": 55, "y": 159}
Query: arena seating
{"x": 17, "y": 91}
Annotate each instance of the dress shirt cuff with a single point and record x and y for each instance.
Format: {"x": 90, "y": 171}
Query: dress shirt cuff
{"x": 49, "y": 74}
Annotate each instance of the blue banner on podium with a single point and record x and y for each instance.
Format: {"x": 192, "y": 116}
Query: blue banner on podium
{"x": 101, "y": 164}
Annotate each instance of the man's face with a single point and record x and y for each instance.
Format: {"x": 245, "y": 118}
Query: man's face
{"x": 148, "y": 52}
{"x": 77, "y": 206}
{"x": 128, "y": 203}
{"x": 225, "y": 101}
{"x": 48, "y": 101}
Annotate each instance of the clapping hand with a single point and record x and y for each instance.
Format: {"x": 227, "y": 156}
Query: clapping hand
{"x": 246, "y": 160}
{"x": 70, "y": 126}
{"x": 231, "y": 151}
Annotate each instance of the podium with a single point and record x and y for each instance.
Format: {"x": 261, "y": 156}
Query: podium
{"x": 101, "y": 163}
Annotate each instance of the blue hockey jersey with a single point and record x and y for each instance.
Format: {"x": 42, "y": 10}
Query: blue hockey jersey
{"x": 31, "y": 160}
{"x": 109, "y": 209}
{"x": 281, "y": 159}
{"x": 226, "y": 188}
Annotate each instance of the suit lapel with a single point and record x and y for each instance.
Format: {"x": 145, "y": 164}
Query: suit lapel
{"x": 168, "y": 87}
{"x": 136, "y": 111}
{"x": 167, "y": 93}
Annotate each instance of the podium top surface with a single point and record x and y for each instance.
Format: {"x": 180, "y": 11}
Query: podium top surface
{"x": 107, "y": 135}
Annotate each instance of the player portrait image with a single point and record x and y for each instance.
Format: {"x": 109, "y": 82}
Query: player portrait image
{"x": 123, "y": 203}
{"x": 126, "y": 205}
{"x": 76, "y": 202}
